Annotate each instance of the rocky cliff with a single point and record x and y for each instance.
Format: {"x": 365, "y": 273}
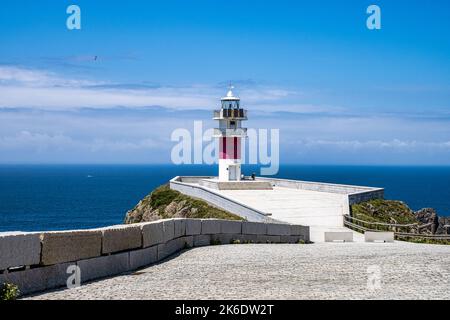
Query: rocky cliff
{"x": 397, "y": 212}
{"x": 165, "y": 203}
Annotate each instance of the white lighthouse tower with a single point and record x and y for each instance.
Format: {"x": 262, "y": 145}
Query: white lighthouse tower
{"x": 230, "y": 133}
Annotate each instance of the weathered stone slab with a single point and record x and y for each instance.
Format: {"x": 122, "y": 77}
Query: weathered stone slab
{"x": 152, "y": 233}
{"x": 168, "y": 229}
{"x": 254, "y": 228}
{"x": 338, "y": 236}
{"x": 291, "y": 239}
{"x": 202, "y": 240}
{"x": 121, "y": 238}
{"x": 193, "y": 226}
{"x": 296, "y": 230}
{"x": 210, "y": 226}
{"x": 278, "y": 229}
{"x": 28, "y": 281}
{"x": 58, "y": 274}
{"x": 249, "y": 238}
{"x": 143, "y": 257}
{"x": 305, "y": 232}
{"x": 179, "y": 227}
{"x": 261, "y": 238}
{"x": 229, "y": 226}
{"x": 188, "y": 241}
{"x": 105, "y": 266}
{"x": 66, "y": 246}
{"x": 19, "y": 249}
{"x": 226, "y": 238}
{"x": 167, "y": 249}
{"x": 38, "y": 279}
{"x": 379, "y": 236}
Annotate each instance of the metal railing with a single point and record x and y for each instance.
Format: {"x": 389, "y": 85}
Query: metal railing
{"x": 400, "y": 230}
{"x": 230, "y": 114}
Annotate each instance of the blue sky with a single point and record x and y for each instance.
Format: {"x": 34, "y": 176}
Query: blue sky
{"x": 338, "y": 92}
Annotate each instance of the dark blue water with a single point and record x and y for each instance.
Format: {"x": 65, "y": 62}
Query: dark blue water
{"x": 86, "y": 196}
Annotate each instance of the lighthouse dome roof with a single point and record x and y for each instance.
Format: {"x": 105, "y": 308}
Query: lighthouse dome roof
{"x": 230, "y": 96}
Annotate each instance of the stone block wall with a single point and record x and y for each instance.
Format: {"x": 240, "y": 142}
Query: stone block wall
{"x": 67, "y": 246}
{"x": 17, "y": 249}
{"x": 121, "y": 238}
{"x": 40, "y": 261}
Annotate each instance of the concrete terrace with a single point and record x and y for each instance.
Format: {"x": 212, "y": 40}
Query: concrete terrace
{"x": 283, "y": 271}
{"x": 320, "y": 206}
{"x": 321, "y": 211}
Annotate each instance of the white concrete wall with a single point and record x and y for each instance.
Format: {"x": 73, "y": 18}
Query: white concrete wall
{"x": 354, "y": 192}
{"x": 218, "y": 200}
{"x": 224, "y": 165}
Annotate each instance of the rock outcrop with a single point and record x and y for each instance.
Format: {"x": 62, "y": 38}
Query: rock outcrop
{"x": 398, "y": 212}
{"x": 385, "y": 211}
{"x": 444, "y": 225}
{"x": 165, "y": 203}
{"x": 428, "y": 216}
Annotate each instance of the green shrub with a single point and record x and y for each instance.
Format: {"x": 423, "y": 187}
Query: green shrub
{"x": 9, "y": 291}
{"x": 215, "y": 242}
{"x": 163, "y": 196}
{"x": 385, "y": 211}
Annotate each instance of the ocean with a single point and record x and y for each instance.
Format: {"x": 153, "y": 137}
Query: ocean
{"x": 59, "y": 197}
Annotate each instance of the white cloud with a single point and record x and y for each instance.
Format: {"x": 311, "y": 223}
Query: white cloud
{"x": 13, "y": 75}
{"x": 44, "y": 141}
{"x": 57, "y": 128}
{"x": 375, "y": 144}
{"x": 54, "y": 98}
{"x": 37, "y": 141}
{"x": 24, "y": 78}
{"x": 31, "y": 88}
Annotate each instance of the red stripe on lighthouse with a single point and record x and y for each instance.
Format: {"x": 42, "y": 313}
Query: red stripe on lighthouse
{"x": 223, "y": 148}
{"x": 230, "y": 148}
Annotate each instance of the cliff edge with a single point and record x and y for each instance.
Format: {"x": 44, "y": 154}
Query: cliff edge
{"x": 164, "y": 203}
{"x": 398, "y": 212}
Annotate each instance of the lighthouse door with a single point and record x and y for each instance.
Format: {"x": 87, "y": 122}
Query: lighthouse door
{"x": 232, "y": 176}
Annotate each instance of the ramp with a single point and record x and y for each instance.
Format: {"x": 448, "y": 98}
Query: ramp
{"x": 320, "y": 206}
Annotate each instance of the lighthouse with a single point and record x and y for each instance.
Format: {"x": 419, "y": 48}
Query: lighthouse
{"x": 230, "y": 133}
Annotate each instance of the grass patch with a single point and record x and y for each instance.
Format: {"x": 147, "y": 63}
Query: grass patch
{"x": 391, "y": 212}
{"x": 180, "y": 206}
{"x": 215, "y": 242}
{"x": 385, "y": 211}
{"x": 9, "y": 291}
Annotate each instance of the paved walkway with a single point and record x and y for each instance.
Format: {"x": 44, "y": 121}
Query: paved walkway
{"x": 260, "y": 271}
{"x": 322, "y": 211}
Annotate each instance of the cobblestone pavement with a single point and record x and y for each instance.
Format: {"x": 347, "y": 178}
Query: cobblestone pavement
{"x": 271, "y": 271}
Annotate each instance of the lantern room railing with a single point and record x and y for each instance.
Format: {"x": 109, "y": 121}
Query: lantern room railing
{"x": 239, "y": 114}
